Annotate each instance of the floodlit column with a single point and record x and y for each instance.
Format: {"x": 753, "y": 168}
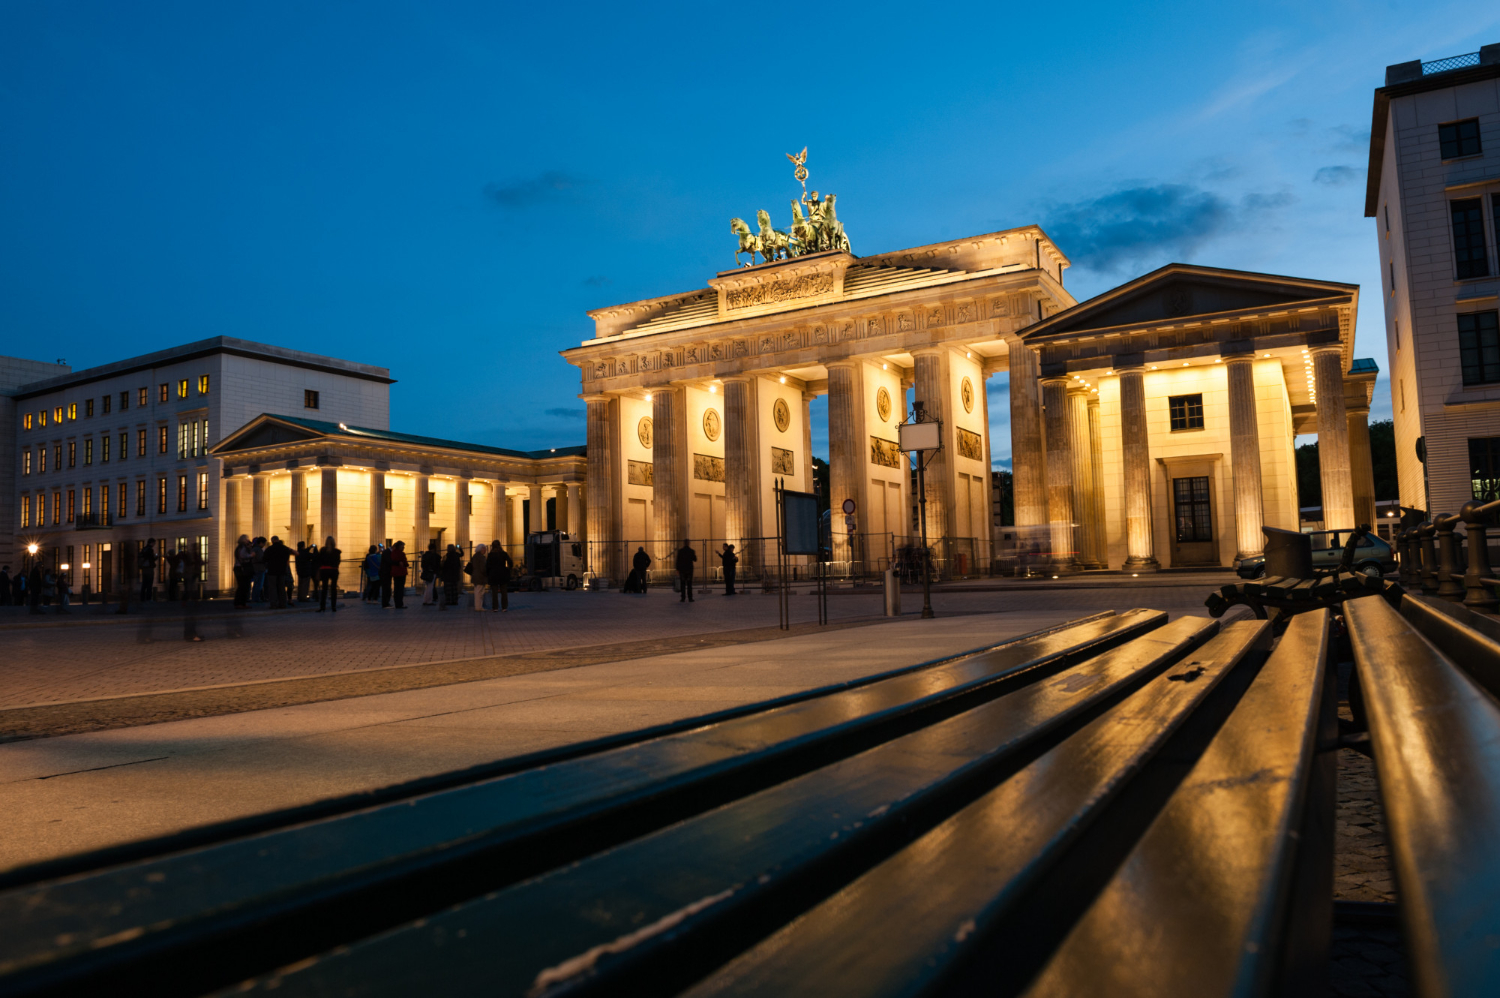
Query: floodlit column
{"x": 1135, "y": 454}
{"x": 667, "y": 481}
{"x": 845, "y": 453}
{"x": 1028, "y": 472}
{"x": 601, "y": 474}
{"x": 1361, "y": 460}
{"x": 1333, "y": 438}
{"x": 575, "y": 512}
{"x": 233, "y": 527}
{"x": 538, "y": 510}
{"x": 807, "y": 455}
{"x": 931, "y": 390}
{"x": 515, "y": 530}
{"x": 328, "y": 507}
{"x": 461, "y": 510}
{"x": 739, "y": 446}
{"x": 499, "y": 524}
{"x": 1244, "y": 456}
{"x": 1060, "y": 514}
{"x": 377, "y": 507}
{"x": 421, "y": 513}
{"x": 1086, "y": 533}
{"x": 1096, "y": 497}
{"x": 298, "y": 507}
{"x": 260, "y": 505}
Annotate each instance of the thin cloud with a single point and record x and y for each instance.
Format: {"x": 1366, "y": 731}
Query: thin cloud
{"x": 596, "y": 281}
{"x": 548, "y": 186}
{"x": 566, "y": 413}
{"x": 1336, "y": 176}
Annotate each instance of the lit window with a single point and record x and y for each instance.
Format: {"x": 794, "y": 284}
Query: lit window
{"x": 42, "y": 416}
{"x": 182, "y": 491}
{"x": 161, "y": 440}
{"x": 88, "y": 503}
{"x": 309, "y": 399}
{"x": 140, "y": 443}
{"x": 124, "y": 445}
{"x": 163, "y": 391}
{"x": 161, "y": 494}
{"x": 26, "y": 511}
{"x": 72, "y": 453}
{"x": 26, "y": 461}
{"x": 141, "y": 397}
{"x": 72, "y": 411}
{"x": 204, "y": 424}
{"x": 202, "y": 384}
{"x": 57, "y": 414}
{"x": 182, "y": 388}
{"x": 56, "y": 508}
{"x": 1186, "y": 412}
{"x": 41, "y": 453}
{"x": 88, "y": 451}
{"x": 140, "y": 498}
{"x": 26, "y": 421}
{"x": 70, "y": 505}
{"x": 1479, "y": 347}
{"x": 123, "y": 507}
{"x": 182, "y": 440}
{"x": 1461, "y": 138}
{"x": 88, "y": 407}
{"x": 104, "y": 503}
{"x": 1484, "y": 468}
{"x": 203, "y": 488}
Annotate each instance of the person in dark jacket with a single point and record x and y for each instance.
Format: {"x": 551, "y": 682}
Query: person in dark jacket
{"x": 686, "y": 558}
{"x": 639, "y": 566}
{"x": 432, "y": 563}
{"x": 278, "y": 559}
{"x": 145, "y": 563}
{"x": 477, "y": 577}
{"x": 18, "y": 589}
{"x": 497, "y": 570}
{"x": 731, "y": 561}
{"x": 304, "y": 561}
{"x": 397, "y": 584}
{"x": 384, "y": 570}
{"x": 370, "y": 568}
{"x": 452, "y": 574}
{"x": 34, "y": 587}
{"x": 328, "y": 575}
{"x": 242, "y": 573}
{"x": 4, "y": 585}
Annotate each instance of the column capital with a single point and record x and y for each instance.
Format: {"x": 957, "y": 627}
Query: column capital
{"x": 1079, "y": 388}
{"x": 1055, "y": 381}
{"x": 930, "y": 351}
{"x": 737, "y": 379}
{"x": 597, "y": 396}
{"x": 844, "y": 363}
{"x": 1239, "y": 357}
{"x": 1323, "y": 348}
{"x": 1131, "y": 368}
{"x": 1093, "y": 398}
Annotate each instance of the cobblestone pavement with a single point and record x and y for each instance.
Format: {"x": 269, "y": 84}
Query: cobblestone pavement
{"x": 51, "y": 665}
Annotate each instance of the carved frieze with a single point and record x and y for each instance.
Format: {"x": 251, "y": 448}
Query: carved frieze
{"x": 786, "y": 289}
{"x": 783, "y": 461}
{"x": 970, "y": 445}
{"x": 885, "y": 453}
{"x": 641, "y": 473}
{"x": 934, "y": 316}
{"x": 708, "y": 468}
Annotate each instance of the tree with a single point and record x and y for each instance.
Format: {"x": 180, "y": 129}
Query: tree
{"x": 1006, "y": 485}
{"x": 1382, "y": 457}
{"x": 821, "y": 484}
{"x": 1309, "y": 478}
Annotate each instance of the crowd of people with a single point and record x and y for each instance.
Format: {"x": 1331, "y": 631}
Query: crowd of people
{"x": 685, "y": 561}
{"x": 47, "y": 583}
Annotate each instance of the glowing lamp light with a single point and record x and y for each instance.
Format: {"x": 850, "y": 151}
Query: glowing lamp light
{"x": 64, "y": 566}
{"x": 1153, "y": 367}
{"x": 648, "y": 396}
{"x": 31, "y": 549}
{"x": 1265, "y": 355}
{"x": 969, "y": 354}
{"x": 783, "y": 379}
{"x": 884, "y": 366}
{"x": 713, "y": 389}
{"x": 87, "y": 566}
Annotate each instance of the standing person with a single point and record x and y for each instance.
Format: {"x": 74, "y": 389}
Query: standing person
{"x": 639, "y": 566}
{"x": 370, "y": 591}
{"x": 453, "y": 577}
{"x": 4, "y": 585}
{"x": 34, "y": 587}
{"x": 686, "y": 557}
{"x": 278, "y": 564}
{"x": 477, "y": 578}
{"x": 145, "y": 563}
{"x": 49, "y": 585}
{"x": 397, "y": 584}
{"x": 386, "y": 557}
{"x": 304, "y": 571}
{"x": 127, "y": 573}
{"x": 242, "y": 575}
{"x": 328, "y": 575}
{"x": 432, "y": 563}
{"x": 174, "y": 574}
{"x": 193, "y": 577}
{"x": 258, "y": 570}
{"x": 497, "y": 571}
{"x": 730, "y": 560}
{"x": 18, "y": 589}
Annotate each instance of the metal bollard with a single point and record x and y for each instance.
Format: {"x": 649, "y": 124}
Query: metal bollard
{"x": 1479, "y": 597}
{"x": 892, "y": 593}
{"x": 1428, "y": 573}
{"x": 1449, "y": 587}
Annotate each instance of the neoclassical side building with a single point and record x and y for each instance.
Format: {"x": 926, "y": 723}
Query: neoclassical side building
{"x": 1151, "y": 426}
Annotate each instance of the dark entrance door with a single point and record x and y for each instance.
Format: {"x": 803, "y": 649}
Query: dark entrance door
{"x": 1192, "y": 504}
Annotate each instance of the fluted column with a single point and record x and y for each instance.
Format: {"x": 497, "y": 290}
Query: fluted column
{"x": 1028, "y": 471}
{"x": 260, "y": 505}
{"x": 931, "y": 390}
{"x": 328, "y": 506}
{"x": 537, "y": 510}
{"x": 1100, "y": 555}
{"x": 575, "y": 513}
{"x": 845, "y": 450}
{"x": 667, "y": 484}
{"x": 298, "y": 507}
{"x": 377, "y": 507}
{"x": 1086, "y": 533}
{"x": 461, "y": 515}
{"x": 1333, "y": 438}
{"x": 499, "y": 524}
{"x": 234, "y": 525}
{"x": 1244, "y": 456}
{"x": 421, "y": 517}
{"x": 1060, "y": 513}
{"x": 1135, "y": 454}
{"x": 741, "y": 480}
{"x": 602, "y": 485}
{"x": 1361, "y": 460}
{"x": 807, "y": 465}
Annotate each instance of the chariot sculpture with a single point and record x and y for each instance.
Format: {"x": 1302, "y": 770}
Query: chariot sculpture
{"x": 818, "y": 231}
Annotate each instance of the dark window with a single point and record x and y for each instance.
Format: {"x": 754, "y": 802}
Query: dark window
{"x": 140, "y": 443}
{"x": 124, "y": 401}
{"x": 389, "y": 500}
{"x": 88, "y": 451}
{"x": 140, "y": 498}
{"x": 122, "y": 501}
{"x": 88, "y": 407}
{"x": 1468, "y": 238}
{"x": 1186, "y": 412}
{"x": 1459, "y": 139}
{"x": 1393, "y": 277}
{"x": 1484, "y": 468}
{"x": 107, "y": 400}
{"x": 1479, "y": 347}
{"x": 1194, "y": 519}
{"x": 432, "y": 502}
{"x": 57, "y": 457}
{"x": 141, "y": 397}
{"x": 72, "y": 453}
{"x": 72, "y": 497}
{"x": 163, "y": 391}
{"x": 309, "y": 399}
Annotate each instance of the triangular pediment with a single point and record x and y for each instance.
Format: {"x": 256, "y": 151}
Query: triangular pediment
{"x": 1178, "y": 292}
{"x": 265, "y": 431}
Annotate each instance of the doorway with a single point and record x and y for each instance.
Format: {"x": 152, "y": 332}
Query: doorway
{"x": 1193, "y": 521}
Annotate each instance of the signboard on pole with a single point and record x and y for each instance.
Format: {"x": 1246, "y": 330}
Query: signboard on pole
{"x": 920, "y": 436}
{"x": 801, "y": 527}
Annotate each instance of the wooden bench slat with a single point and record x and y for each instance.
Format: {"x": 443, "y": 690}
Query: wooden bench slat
{"x": 1436, "y": 740}
{"x": 952, "y": 895}
{"x": 765, "y": 852}
{"x": 1469, "y": 639}
{"x": 1195, "y": 909}
{"x": 87, "y": 925}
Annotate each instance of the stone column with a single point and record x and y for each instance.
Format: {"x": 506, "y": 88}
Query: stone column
{"x": 845, "y": 449}
{"x": 601, "y": 473}
{"x": 328, "y": 507}
{"x": 260, "y": 505}
{"x": 421, "y": 518}
{"x": 667, "y": 482}
{"x": 575, "y": 512}
{"x": 931, "y": 387}
{"x": 1333, "y": 438}
{"x": 234, "y": 525}
{"x": 515, "y": 530}
{"x": 1060, "y": 515}
{"x": 377, "y": 507}
{"x": 461, "y": 516}
{"x": 1244, "y": 456}
{"x": 1361, "y": 460}
{"x": 298, "y": 507}
{"x": 739, "y": 434}
{"x": 1086, "y": 533}
{"x": 1096, "y": 497}
{"x": 1135, "y": 455}
{"x": 1028, "y": 470}
{"x": 538, "y": 510}
{"x": 807, "y": 454}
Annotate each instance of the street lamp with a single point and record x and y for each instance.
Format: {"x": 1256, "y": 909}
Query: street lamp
{"x": 924, "y": 437}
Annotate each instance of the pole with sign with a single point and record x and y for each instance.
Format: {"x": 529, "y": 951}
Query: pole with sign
{"x": 923, "y": 437}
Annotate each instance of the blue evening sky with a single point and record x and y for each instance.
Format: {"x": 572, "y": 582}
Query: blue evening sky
{"x": 445, "y": 188}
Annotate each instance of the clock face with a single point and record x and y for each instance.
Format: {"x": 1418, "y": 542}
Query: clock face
{"x": 643, "y": 431}
{"x": 883, "y": 405}
{"x": 967, "y": 391}
{"x": 782, "y": 414}
{"x": 711, "y": 424}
